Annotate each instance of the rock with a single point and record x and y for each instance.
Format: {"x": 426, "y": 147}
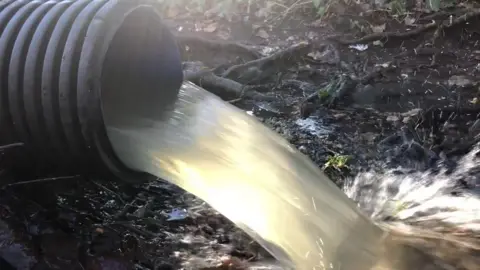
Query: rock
{"x": 460, "y": 81}
{"x": 393, "y": 118}
{"x": 412, "y": 113}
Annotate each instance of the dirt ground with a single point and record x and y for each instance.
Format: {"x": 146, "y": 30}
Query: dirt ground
{"x": 356, "y": 90}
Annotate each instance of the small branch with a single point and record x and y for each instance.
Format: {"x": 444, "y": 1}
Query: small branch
{"x": 42, "y": 180}
{"x": 195, "y": 41}
{"x": 8, "y": 146}
{"x": 275, "y": 62}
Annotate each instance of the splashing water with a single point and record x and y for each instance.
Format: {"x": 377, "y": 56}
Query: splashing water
{"x": 265, "y": 186}
{"x": 428, "y": 209}
{"x": 420, "y": 196}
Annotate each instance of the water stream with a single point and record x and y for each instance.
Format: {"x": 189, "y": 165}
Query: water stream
{"x": 261, "y": 183}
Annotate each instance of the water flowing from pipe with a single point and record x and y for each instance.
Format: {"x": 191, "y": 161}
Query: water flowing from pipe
{"x": 253, "y": 177}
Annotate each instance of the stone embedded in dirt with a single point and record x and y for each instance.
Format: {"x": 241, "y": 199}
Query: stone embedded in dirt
{"x": 393, "y": 118}
{"x": 378, "y": 28}
{"x": 460, "y": 81}
{"x": 412, "y": 113}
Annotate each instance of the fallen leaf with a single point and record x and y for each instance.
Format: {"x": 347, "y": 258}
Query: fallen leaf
{"x": 225, "y": 35}
{"x": 474, "y": 101}
{"x": 383, "y": 65}
{"x": 211, "y": 27}
{"x": 263, "y": 34}
{"x": 378, "y": 28}
{"x": 377, "y": 43}
{"x": 359, "y": 47}
{"x": 409, "y": 20}
{"x": 316, "y": 55}
{"x": 393, "y": 118}
{"x": 255, "y": 27}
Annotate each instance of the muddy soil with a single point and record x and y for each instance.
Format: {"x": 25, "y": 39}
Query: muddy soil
{"x": 414, "y": 103}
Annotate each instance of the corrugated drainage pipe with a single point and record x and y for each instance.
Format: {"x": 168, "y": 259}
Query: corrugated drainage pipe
{"x": 60, "y": 61}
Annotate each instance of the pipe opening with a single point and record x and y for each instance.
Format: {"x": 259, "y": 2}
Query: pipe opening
{"x": 142, "y": 72}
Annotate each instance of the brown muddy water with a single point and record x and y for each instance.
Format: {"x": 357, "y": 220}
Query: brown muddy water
{"x": 264, "y": 185}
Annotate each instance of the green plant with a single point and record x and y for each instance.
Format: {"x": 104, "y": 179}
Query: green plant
{"x": 398, "y": 7}
{"x": 337, "y": 162}
{"x": 323, "y": 94}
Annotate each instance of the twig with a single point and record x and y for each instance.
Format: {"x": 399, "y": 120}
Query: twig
{"x": 109, "y": 191}
{"x": 194, "y": 41}
{"x": 120, "y": 214}
{"x": 442, "y": 14}
{"x": 42, "y": 180}
{"x": 427, "y": 27}
{"x": 12, "y": 145}
{"x": 289, "y": 9}
{"x": 385, "y": 35}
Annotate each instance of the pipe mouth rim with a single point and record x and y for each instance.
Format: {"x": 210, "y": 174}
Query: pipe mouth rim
{"x": 100, "y": 34}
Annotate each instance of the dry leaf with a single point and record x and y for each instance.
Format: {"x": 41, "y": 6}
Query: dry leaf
{"x": 377, "y": 43}
{"x": 359, "y": 47}
{"x": 316, "y": 55}
{"x": 409, "y": 21}
{"x": 211, "y": 27}
{"x": 225, "y": 35}
{"x": 263, "y": 34}
{"x": 378, "y": 28}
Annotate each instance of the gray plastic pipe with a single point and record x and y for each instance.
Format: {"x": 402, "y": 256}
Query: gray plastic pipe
{"x": 60, "y": 59}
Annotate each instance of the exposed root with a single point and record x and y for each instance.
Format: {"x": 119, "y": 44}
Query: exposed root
{"x": 265, "y": 67}
{"x": 386, "y": 35}
{"x": 198, "y": 74}
{"x": 221, "y": 45}
{"x": 341, "y": 88}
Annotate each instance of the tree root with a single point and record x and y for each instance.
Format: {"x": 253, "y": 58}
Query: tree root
{"x": 204, "y": 77}
{"x": 234, "y": 47}
{"x": 265, "y": 67}
{"x": 386, "y": 35}
{"x": 427, "y": 27}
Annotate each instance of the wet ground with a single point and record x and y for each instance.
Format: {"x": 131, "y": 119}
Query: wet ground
{"x": 395, "y": 101}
